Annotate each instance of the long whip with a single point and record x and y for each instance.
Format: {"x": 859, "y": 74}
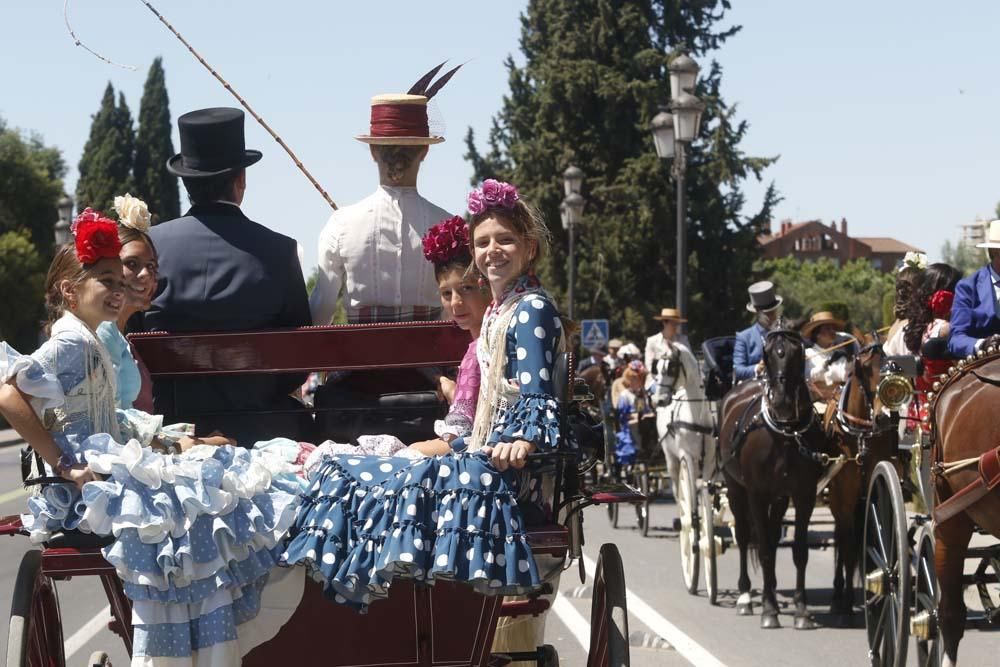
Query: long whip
{"x": 213, "y": 72}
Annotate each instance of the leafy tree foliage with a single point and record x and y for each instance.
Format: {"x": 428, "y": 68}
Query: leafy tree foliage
{"x": 106, "y": 165}
{"x": 595, "y": 73}
{"x": 30, "y": 186}
{"x": 154, "y": 146}
{"x": 963, "y": 256}
{"x": 22, "y": 279}
{"x": 855, "y": 291}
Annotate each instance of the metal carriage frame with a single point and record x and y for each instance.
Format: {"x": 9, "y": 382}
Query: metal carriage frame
{"x": 439, "y": 625}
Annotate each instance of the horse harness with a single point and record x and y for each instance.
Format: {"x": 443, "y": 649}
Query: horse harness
{"x": 756, "y": 416}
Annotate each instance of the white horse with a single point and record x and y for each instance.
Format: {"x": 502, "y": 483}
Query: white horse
{"x": 684, "y": 418}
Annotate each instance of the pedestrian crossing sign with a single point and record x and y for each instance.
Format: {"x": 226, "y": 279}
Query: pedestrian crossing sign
{"x": 595, "y": 333}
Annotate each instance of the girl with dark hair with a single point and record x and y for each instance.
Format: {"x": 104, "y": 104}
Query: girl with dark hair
{"x": 139, "y": 265}
{"x": 929, "y": 308}
{"x": 908, "y": 279}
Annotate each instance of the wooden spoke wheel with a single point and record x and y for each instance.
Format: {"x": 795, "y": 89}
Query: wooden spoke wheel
{"x": 709, "y": 543}
{"x": 688, "y": 535}
{"x": 923, "y": 624}
{"x": 609, "y": 612}
{"x": 34, "y": 635}
{"x": 886, "y": 569}
{"x": 644, "y": 483}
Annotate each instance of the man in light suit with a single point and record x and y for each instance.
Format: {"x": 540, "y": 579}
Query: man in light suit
{"x": 974, "y": 313}
{"x": 748, "y": 352}
{"x": 220, "y": 271}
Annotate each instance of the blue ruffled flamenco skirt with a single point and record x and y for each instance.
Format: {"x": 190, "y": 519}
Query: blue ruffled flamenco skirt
{"x": 367, "y": 520}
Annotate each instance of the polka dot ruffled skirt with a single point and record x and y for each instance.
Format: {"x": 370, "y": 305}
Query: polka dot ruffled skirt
{"x": 367, "y": 520}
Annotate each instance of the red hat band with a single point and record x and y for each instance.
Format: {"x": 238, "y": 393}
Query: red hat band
{"x": 399, "y": 120}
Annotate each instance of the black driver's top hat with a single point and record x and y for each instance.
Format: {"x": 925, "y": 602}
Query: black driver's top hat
{"x": 212, "y": 143}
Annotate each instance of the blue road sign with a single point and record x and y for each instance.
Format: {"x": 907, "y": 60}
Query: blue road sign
{"x": 595, "y": 333}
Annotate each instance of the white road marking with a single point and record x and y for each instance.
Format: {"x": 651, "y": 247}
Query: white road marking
{"x": 573, "y": 620}
{"x": 694, "y": 652}
{"x": 12, "y": 495}
{"x": 87, "y": 632}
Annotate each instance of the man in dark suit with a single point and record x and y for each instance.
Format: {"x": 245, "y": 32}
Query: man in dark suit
{"x": 220, "y": 271}
{"x": 974, "y": 321}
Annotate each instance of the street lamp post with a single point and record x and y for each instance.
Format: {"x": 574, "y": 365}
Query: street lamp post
{"x": 671, "y": 134}
{"x": 62, "y": 226}
{"x": 571, "y": 212}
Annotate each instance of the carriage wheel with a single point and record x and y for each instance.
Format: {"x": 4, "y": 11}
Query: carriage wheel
{"x": 642, "y": 509}
{"x": 708, "y": 545}
{"x": 608, "y": 612}
{"x": 548, "y": 656}
{"x": 887, "y": 569}
{"x": 923, "y": 625}
{"x": 687, "y": 504}
{"x": 34, "y": 636}
{"x": 613, "y": 514}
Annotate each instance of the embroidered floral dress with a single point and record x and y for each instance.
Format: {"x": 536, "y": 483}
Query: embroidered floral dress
{"x": 196, "y": 534}
{"x": 367, "y": 520}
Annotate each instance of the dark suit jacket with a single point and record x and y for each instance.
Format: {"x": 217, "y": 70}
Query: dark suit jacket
{"x": 220, "y": 271}
{"x": 973, "y": 313}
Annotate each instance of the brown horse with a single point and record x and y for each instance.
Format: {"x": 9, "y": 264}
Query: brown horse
{"x": 773, "y": 448}
{"x": 864, "y": 436}
{"x": 965, "y": 428}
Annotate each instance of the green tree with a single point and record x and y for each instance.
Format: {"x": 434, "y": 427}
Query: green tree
{"x": 154, "y": 146}
{"x": 594, "y": 74}
{"x": 30, "y": 186}
{"x": 963, "y": 256}
{"x": 22, "y": 279}
{"x": 855, "y": 291}
{"x": 106, "y": 164}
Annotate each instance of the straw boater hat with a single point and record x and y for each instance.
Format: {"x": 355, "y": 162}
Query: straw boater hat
{"x": 669, "y": 314}
{"x": 762, "y": 297}
{"x": 401, "y": 119}
{"x": 818, "y": 320}
{"x": 992, "y": 237}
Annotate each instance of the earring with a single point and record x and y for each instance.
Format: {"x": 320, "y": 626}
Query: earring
{"x": 482, "y": 282}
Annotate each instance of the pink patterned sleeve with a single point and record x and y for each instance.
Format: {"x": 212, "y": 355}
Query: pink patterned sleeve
{"x": 458, "y": 422}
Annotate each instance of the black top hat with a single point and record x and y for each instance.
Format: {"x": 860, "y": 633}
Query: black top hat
{"x": 212, "y": 143}
{"x": 762, "y": 297}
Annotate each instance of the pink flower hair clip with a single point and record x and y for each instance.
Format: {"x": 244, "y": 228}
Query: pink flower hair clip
{"x": 492, "y": 194}
{"x": 447, "y": 240}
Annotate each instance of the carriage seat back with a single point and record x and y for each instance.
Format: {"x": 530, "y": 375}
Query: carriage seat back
{"x": 718, "y": 357}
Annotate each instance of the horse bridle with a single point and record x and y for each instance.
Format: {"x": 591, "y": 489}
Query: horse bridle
{"x": 797, "y": 426}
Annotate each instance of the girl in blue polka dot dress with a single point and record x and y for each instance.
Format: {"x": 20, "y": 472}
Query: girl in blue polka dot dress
{"x": 367, "y": 520}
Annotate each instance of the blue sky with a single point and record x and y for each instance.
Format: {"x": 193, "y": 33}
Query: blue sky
{"x": 882, "y": 113}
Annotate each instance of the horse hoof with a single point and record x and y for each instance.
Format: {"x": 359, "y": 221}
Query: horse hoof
{"x": 744, "y": 609}
{"x": 804, "y": 623}
{"x": 769, "y": 622}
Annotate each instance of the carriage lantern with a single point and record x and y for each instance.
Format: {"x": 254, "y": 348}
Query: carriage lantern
{"x": 894, "y": 389}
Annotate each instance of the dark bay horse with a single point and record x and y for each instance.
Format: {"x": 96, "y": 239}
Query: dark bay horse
{"x": 966, "y": 427}
{"x": 773, "y": 449}
{"x": 864, "y": 436}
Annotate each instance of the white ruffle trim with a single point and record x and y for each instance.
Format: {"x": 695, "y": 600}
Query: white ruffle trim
{"x": 42, "y": 388}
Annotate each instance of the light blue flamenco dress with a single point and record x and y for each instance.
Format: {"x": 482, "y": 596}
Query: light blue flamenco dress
{"x": 368, "y": 520}
{"x": 196, "y": 534}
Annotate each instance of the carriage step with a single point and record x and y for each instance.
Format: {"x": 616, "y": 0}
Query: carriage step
{"x": 642, "y": 639}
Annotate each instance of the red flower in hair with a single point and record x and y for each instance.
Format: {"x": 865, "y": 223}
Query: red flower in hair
{"x": 96, "y": 237}
{"x": 940, "y": 303}
{"x": 447, "y": 240}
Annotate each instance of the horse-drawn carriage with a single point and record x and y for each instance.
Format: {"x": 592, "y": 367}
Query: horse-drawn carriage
{"x": 441, "y": 624}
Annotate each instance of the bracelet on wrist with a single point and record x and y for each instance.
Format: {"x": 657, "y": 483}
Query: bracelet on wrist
{"x": 64, "y": 464}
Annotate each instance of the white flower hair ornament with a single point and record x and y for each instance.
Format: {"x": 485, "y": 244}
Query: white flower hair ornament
{"x": 133, "y": 212}
{"x": 915, "y": 260}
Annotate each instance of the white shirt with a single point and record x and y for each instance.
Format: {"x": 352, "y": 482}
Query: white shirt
{"x": 656, "y": 347}
{"x": 374, "y": 249}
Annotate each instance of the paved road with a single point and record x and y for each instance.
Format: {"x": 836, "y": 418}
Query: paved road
{"x": 661, "y": 612}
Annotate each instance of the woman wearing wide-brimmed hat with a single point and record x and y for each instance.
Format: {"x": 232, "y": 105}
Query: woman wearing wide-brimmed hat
{"x": 828, "y": 353}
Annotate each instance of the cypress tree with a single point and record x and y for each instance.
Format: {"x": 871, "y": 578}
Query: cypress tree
{"x": 154, "y": 146}
{"x": 595, "y": 73}
{"x": 106, "y": 164}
